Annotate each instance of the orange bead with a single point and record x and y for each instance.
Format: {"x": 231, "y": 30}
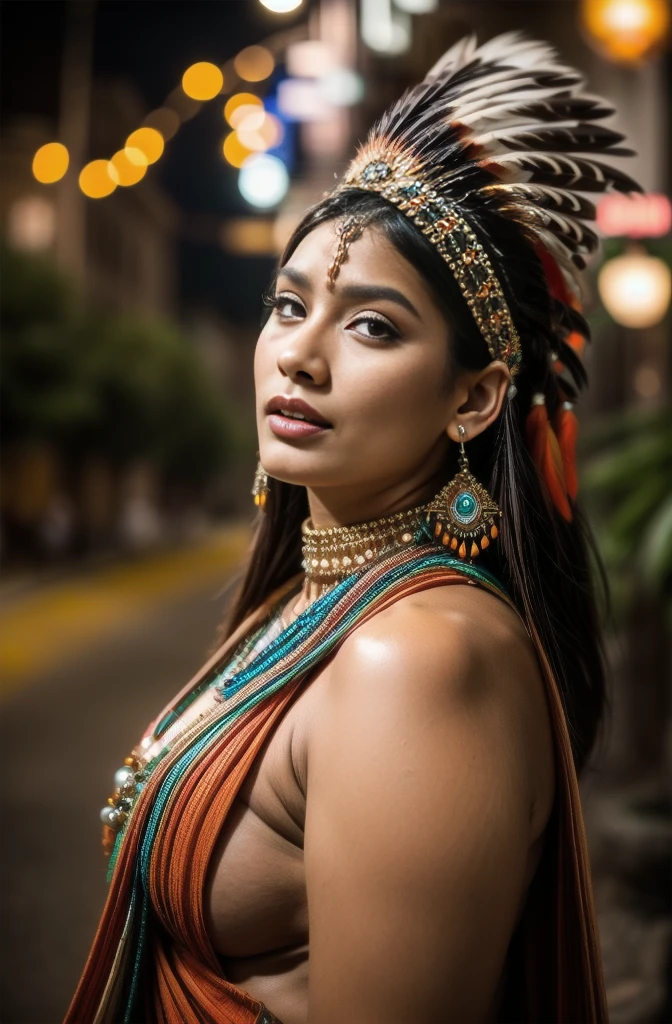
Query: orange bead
{"x": 474, "y": 550}
{"x": 463, "y": 550}
{"x": 453, "y": 543}
{"x": 494, "y": 532}
{"x": 446, "y": 539}
{"x": 437, "y": 529}
{"x": 485, "y": 543}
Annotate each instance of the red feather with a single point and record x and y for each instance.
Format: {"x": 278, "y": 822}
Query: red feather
{"x": 547, "y": 457}
{"x": 566, "y": 429}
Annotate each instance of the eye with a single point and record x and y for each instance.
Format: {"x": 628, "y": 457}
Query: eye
{"x": 287, "y": 307}
{"x": 377, "y": 328}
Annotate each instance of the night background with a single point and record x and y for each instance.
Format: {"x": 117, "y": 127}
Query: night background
{"x": 132, "y": 268}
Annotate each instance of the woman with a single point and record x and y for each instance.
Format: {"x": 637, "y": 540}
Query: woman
{"x": 379, "y": 764}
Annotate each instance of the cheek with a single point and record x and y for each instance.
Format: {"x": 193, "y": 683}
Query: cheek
{"x": 404, "y": 399}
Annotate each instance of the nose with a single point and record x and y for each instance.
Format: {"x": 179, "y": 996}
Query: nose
{"x": 302, "y": 358}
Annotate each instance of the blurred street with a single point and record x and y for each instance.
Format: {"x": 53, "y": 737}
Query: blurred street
{"x": 67, "y": 724}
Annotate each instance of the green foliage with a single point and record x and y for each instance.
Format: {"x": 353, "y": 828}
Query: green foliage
{"x": 627, "y": 481}
{"x": 90, "y": 383}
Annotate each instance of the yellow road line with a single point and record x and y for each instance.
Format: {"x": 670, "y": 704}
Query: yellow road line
{"x": 40, "y": 630}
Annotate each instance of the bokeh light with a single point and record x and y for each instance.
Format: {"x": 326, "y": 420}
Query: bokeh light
{"x": 50, "y": 163}
{"x": 130, "y": 166}
{"x": 627, "y": 30}
{"x": 98, "y": 179}
{"x": 259, "y": 130}
{"x": 148, "y": 141}
{"x": 342, "y": 87}
{"x": 263, "y": 180}
{"x": 165, "y": 121}
{"x": 281, "y": 6}
{"x": 417, "y": 6}
{"x": 234, "y": 151}
{"x": 239, "y": 105}
{"x": 254, "y": 64}
{"x": 635, "y": 289}
{"x": 308, "y": 58}
{"x": 202, "y": 81}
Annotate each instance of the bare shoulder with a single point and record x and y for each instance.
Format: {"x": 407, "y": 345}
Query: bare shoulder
{"x": 461, "y": 658}
{"x": 458, "y": 641}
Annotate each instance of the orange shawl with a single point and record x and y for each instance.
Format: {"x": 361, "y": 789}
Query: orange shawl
{"x": 153, "y": 928}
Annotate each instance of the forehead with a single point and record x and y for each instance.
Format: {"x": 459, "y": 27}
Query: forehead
{"x": 371, "y": 259}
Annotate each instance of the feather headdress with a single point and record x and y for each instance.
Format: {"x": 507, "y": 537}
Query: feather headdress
{"x": 505, "y": 131}
{"x": 503, "y": 124}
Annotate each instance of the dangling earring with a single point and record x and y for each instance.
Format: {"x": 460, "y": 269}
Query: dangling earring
{"x": 260, "y": 488}
{"x": 465, "y": 516}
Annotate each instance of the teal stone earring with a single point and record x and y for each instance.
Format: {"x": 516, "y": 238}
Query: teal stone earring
{"x": 464, "y": 515}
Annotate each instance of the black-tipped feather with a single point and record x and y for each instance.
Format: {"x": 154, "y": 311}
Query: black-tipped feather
{"x": 506, "y": 123}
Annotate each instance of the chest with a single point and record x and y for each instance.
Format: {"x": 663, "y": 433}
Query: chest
{"x": 255, "y": 898}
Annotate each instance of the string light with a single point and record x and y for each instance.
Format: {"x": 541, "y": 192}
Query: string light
{"x": 259, "y": 130}
{"x": 98, "y": 179}
{"x": 254, "y": 64}
{"x": 239, "y": 105}
{"x": 234, "y": 151}
{"x": 148, "y": 141}
{"x": 202, "y": 81}
{"x": 130, "y": 166}
{"x": 50, "y": 163}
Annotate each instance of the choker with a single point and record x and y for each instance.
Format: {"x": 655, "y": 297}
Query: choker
{"x": 334, "y": 552}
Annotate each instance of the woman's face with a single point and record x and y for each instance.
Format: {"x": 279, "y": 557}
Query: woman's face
{"x": 369, "y": 355}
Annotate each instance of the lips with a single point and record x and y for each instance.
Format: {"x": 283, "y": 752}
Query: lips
{"x": 296, "y": 410}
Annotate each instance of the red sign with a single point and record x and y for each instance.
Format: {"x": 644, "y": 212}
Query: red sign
{"x": 635, "y": 216}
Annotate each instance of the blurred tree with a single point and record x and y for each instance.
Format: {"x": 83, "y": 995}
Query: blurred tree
{"x": 627, "y": 481}
{"x": 92, "y": 384}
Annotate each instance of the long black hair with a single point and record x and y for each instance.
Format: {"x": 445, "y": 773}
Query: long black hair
{"x": 547, "y": 564}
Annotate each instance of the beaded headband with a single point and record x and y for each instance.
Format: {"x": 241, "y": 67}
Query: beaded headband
{"x": 399, "y": 179}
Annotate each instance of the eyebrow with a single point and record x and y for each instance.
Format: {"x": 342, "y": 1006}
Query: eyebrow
{"x": 364, "y": 292}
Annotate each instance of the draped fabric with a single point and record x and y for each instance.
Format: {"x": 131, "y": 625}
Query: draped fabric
{"x": 152, "y": 960}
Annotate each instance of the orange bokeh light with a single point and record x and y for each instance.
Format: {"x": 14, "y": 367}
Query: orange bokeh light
{"x": 130, "y": 166}
{"x": 234, "y": 151}
{"x": 149, "y": 141}
{"x": 254, "y": 63}
{"x": 50, "y": 163}
{"x": 626, "y": 30}
{"x": 202, "y": 81}
{"x": 260, "y": 131}
{"x": 98, "y": 179}
{"x": 238, "y": 105}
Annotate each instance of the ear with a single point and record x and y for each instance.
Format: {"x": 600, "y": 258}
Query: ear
{"x": 477, "y": 400}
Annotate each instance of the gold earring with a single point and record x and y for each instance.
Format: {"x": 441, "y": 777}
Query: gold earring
{"x": 465, "y": 517}
{"x": 260, "y": 488}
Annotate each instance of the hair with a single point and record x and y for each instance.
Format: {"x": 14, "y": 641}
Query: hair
{"x": 549, "y": 566}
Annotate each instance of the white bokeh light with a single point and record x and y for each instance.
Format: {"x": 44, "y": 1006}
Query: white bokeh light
{"x": 341, "y": 87}
{"x": 417, "y": 6}
{"x": 635, "y": 289}
{"x": 281, "y": 6}
{"x": 263, "y": 181}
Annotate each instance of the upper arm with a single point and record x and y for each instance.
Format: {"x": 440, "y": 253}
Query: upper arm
{"x": 417, "y": 824}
